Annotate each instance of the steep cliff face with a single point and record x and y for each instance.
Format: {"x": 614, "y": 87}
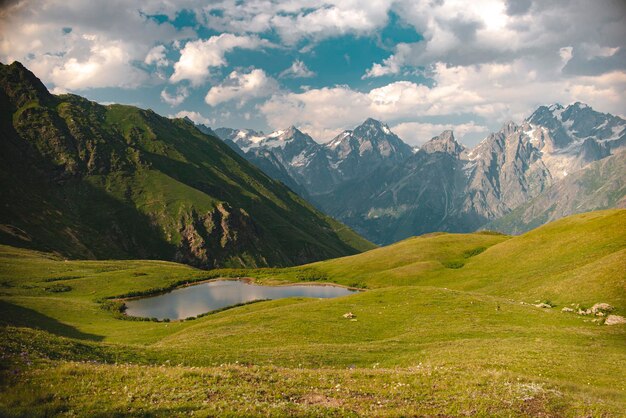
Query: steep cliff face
{"x": 504, "y": 171}
{"x": 422, "y": 194}
{"x": 95, "y": 181}
{"x": 600, "y": 185}
{"x": 445, "y": 187}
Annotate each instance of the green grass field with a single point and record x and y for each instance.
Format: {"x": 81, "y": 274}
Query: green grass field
{"x": 446, "y": 327}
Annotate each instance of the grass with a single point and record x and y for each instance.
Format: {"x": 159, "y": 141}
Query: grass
{"x": 428, "y": 339}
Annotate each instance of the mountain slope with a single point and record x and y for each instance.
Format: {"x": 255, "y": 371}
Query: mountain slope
{"x": 424, "y": 193}
{"x": 578, "y": 259}
{"x": 600, "y": 185}
{"x": 116, "y": 181}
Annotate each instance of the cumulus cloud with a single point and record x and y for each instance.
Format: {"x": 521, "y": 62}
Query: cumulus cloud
{"x": 91, "y": 62}
{"x": 491, "y": 92}
{"x": 457, "y": 32}
{"x": 391, "y": 65}
{"x": 177, "y": 98}
{"x": 297, "y": 70}
{"x": 194, "y": 116}
{"x": 75, "y": 45}
{"x": 157, "y": 56}
{"x": 242, "y": 87}
{"x": 489, "y": 60}
{"x": 339, "y": 19}
{"x": 197, "y": 57}
{"x": 416, "y": 133}
{"x": 295, "y": 20}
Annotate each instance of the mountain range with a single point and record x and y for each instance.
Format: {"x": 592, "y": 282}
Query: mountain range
{"x": 386, "y": 190}
{"x": 91, "y": 181}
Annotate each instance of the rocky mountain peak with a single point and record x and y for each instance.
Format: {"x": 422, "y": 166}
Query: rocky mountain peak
{"x": 21, "y": 85}
{"x": 201, "y": 127}
{"x": 444, "y": 142}
{"x": 509, "y": 128}
{"x": 571, "y": 125}
{"x": 372, "y": 129}
{"x": 555, "y": 107}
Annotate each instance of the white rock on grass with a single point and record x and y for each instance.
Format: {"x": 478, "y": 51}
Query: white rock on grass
{"x": 601, "y": 307}
{"x": 614, "y": 320}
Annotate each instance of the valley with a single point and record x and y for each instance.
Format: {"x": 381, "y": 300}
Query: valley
{"x": 154, "y": 263}
{"x": 447, "y": 324}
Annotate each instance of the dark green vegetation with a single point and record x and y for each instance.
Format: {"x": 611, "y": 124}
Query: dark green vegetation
{"x": 91, "y": 181}
{"x": 447, "y": 326}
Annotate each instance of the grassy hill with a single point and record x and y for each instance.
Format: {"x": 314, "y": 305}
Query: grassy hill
{"x": 92, "y": 181}
{"x": 446, "y": 326}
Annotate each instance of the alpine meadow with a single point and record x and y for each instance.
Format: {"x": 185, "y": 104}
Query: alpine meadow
{"x": 395, "y": 208}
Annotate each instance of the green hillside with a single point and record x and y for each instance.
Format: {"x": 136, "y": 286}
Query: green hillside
{"x": 91, "y": 181}
{"x": 447, "y": 326}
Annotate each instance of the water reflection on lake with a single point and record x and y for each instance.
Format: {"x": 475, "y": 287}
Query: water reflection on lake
{"x": 205, "y": 297}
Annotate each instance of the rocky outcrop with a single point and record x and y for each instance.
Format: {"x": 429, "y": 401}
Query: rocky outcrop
{"x": 444, "y": 142}
{"x": 208, "y": 238}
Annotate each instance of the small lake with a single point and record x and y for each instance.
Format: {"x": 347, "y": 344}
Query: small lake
{"x": 197, "y": 299}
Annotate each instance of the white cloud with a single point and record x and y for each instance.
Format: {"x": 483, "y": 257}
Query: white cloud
{"x": 242, "y": 87}
{"x": 295, "y": 20}
{"x": 461, "y": 33}
{"x": 492, "y": 92}
{"x": 416, "y": 133}
{"x": 73, "y": 44}
{"x": 194, "y": 116}
{"x": 342, "y": 18}
{"x": 489, "y": 60}
{"x": 177, "y": 98}
{"x": 391, "y": 65}
{"x": 90, "y": 63}
{"x": 157, "y": 56}
{"x": 297, "y": 70}
{"x": 197, "y": 57}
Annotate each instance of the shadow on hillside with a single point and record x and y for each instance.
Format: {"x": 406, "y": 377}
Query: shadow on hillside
{"x": 297, "y": 218}
{"x": 19, "y": 316}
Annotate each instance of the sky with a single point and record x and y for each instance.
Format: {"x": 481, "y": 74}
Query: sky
{"x": 421, "y": 66}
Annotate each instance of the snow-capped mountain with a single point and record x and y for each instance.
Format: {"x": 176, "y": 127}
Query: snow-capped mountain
{"x": 570, "y": 138}
{"x": 519, "y": 162}
{"x": 360, "y": 151}
{"x": 374, "y": 182}
{"x": 320, "y": 168}
{"x": 298, "y": 155}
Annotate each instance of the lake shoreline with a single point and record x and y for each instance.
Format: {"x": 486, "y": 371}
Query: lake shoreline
{"x": 210, "y": 297}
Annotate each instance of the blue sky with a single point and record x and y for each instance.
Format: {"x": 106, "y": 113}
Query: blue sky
{"x": 421, "y": 66}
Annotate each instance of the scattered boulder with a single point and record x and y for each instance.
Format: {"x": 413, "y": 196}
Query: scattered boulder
{"x": 614, "y": 320}
{"x": 566, "y": 309}
{"x": 349, "y": 315}
{"x": 543, "y": 305}
{"x": 584, "y": 311}
{"x": 601, "y": 307}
